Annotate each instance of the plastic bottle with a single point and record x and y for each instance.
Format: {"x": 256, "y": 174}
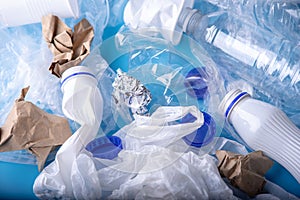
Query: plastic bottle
{"x": 264, "y": 127}
{"x": 279, "y": 16}
{"x": 270, "y": 63}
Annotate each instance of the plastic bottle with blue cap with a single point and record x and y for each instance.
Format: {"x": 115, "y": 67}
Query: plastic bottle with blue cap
{"x": 264, "y": 127}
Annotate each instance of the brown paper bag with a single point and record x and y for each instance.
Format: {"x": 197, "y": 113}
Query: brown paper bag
{"x": 29, "y": 127}
{"x": 245, "y": 172}
{"x": 68, "y": 48}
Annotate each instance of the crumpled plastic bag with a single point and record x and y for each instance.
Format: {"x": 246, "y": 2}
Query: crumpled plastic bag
{"x": 148, "y": 166}
{"x": 158, "y": 129}
{"x": 156, "y": 15}
{"x": 188, "y": 177}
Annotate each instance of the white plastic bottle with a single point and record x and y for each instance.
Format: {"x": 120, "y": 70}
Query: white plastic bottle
{"x": 264, "y": 127}
{"x": 83, "y": 103}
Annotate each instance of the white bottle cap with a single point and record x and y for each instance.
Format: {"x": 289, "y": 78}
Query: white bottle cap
{"x": 21, "y": 12}
{"x": 230, "y": 100}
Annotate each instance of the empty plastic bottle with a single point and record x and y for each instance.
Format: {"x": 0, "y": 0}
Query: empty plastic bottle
{"x": 279, "y": 16}
{"x": 264, "y": 127}
{"x": 270, "y": 63}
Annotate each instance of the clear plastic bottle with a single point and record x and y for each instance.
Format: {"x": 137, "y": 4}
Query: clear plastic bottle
{"x": 264, "y": 127}
{"x": 279, "y": 16}
{"x": 270, "y": 63}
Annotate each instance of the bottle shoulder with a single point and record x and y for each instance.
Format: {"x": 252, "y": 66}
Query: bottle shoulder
{"x": 252, "y": 110}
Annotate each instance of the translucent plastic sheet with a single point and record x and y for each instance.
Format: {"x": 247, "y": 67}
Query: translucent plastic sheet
{"x": 162, "y": 68}
{"x": 24, "y": 60}
{"x": 115, "y": 16}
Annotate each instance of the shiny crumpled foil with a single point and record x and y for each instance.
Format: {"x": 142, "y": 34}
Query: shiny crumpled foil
{"x": 131, "y": 92}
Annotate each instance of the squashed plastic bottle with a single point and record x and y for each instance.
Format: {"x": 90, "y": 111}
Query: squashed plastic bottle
{"x": 279, "y": 16}
{"x": 264, "y": 127}
{"x": 270, "y": 63}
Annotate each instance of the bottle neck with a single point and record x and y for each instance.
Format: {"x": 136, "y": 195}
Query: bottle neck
{"x": 230, "y": 100}
{"x": 192, "y": 22}
{"x": 185, "y": 18}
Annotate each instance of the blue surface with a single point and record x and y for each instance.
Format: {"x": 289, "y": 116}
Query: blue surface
{"x": 16, "y": 181}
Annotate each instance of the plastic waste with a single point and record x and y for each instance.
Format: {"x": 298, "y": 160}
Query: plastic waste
{"x": 269, "y": 62}
{"x": 22, "y": 12}
{"x": 105, "y": 147}
{"x": 115, "y": 16}
{"x": 146, "y": 163}
{"x": 82, "y": 102}
{"x": 189, "y": 177}
{"x": 278, "y": 16}
{"x": 143, "y": 130}
{"x": 162, "y": 68}
{"x": 203, "y": 135}
{"x": 24, "y": 60}
{"x": 264, "y": 127}
{"x": 137, "y": 14}
{"x": 195, "y": 81}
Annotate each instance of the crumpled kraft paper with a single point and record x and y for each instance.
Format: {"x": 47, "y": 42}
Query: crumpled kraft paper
{"x": 245, "y": 172}
{"x": 69, "y": 48}
{"x": 29, "y": 127}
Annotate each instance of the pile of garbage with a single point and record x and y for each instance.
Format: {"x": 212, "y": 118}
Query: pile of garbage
{"x": 170, "y": 99}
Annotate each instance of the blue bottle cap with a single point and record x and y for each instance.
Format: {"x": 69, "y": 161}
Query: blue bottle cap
{"x": 203, "y": 135}
{"x": 106, "y": 147}
{"x": 196, "y": 83}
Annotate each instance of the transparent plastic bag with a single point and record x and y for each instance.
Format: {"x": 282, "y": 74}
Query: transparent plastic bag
{"x": 189, "y": 177}
{"x": 116, "y": 12}
{"x": 147, "y": 163}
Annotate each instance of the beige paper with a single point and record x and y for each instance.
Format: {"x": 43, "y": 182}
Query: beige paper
{"x": 69, "y": 48}
{"x": 245, "y": 172}
{"x": 29, "y": 127}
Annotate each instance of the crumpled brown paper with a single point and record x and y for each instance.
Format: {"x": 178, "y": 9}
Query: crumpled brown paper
{"x": 69, "y": 48}
{"x": 245, "y": 172}
{"x": 29, "y": 127}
